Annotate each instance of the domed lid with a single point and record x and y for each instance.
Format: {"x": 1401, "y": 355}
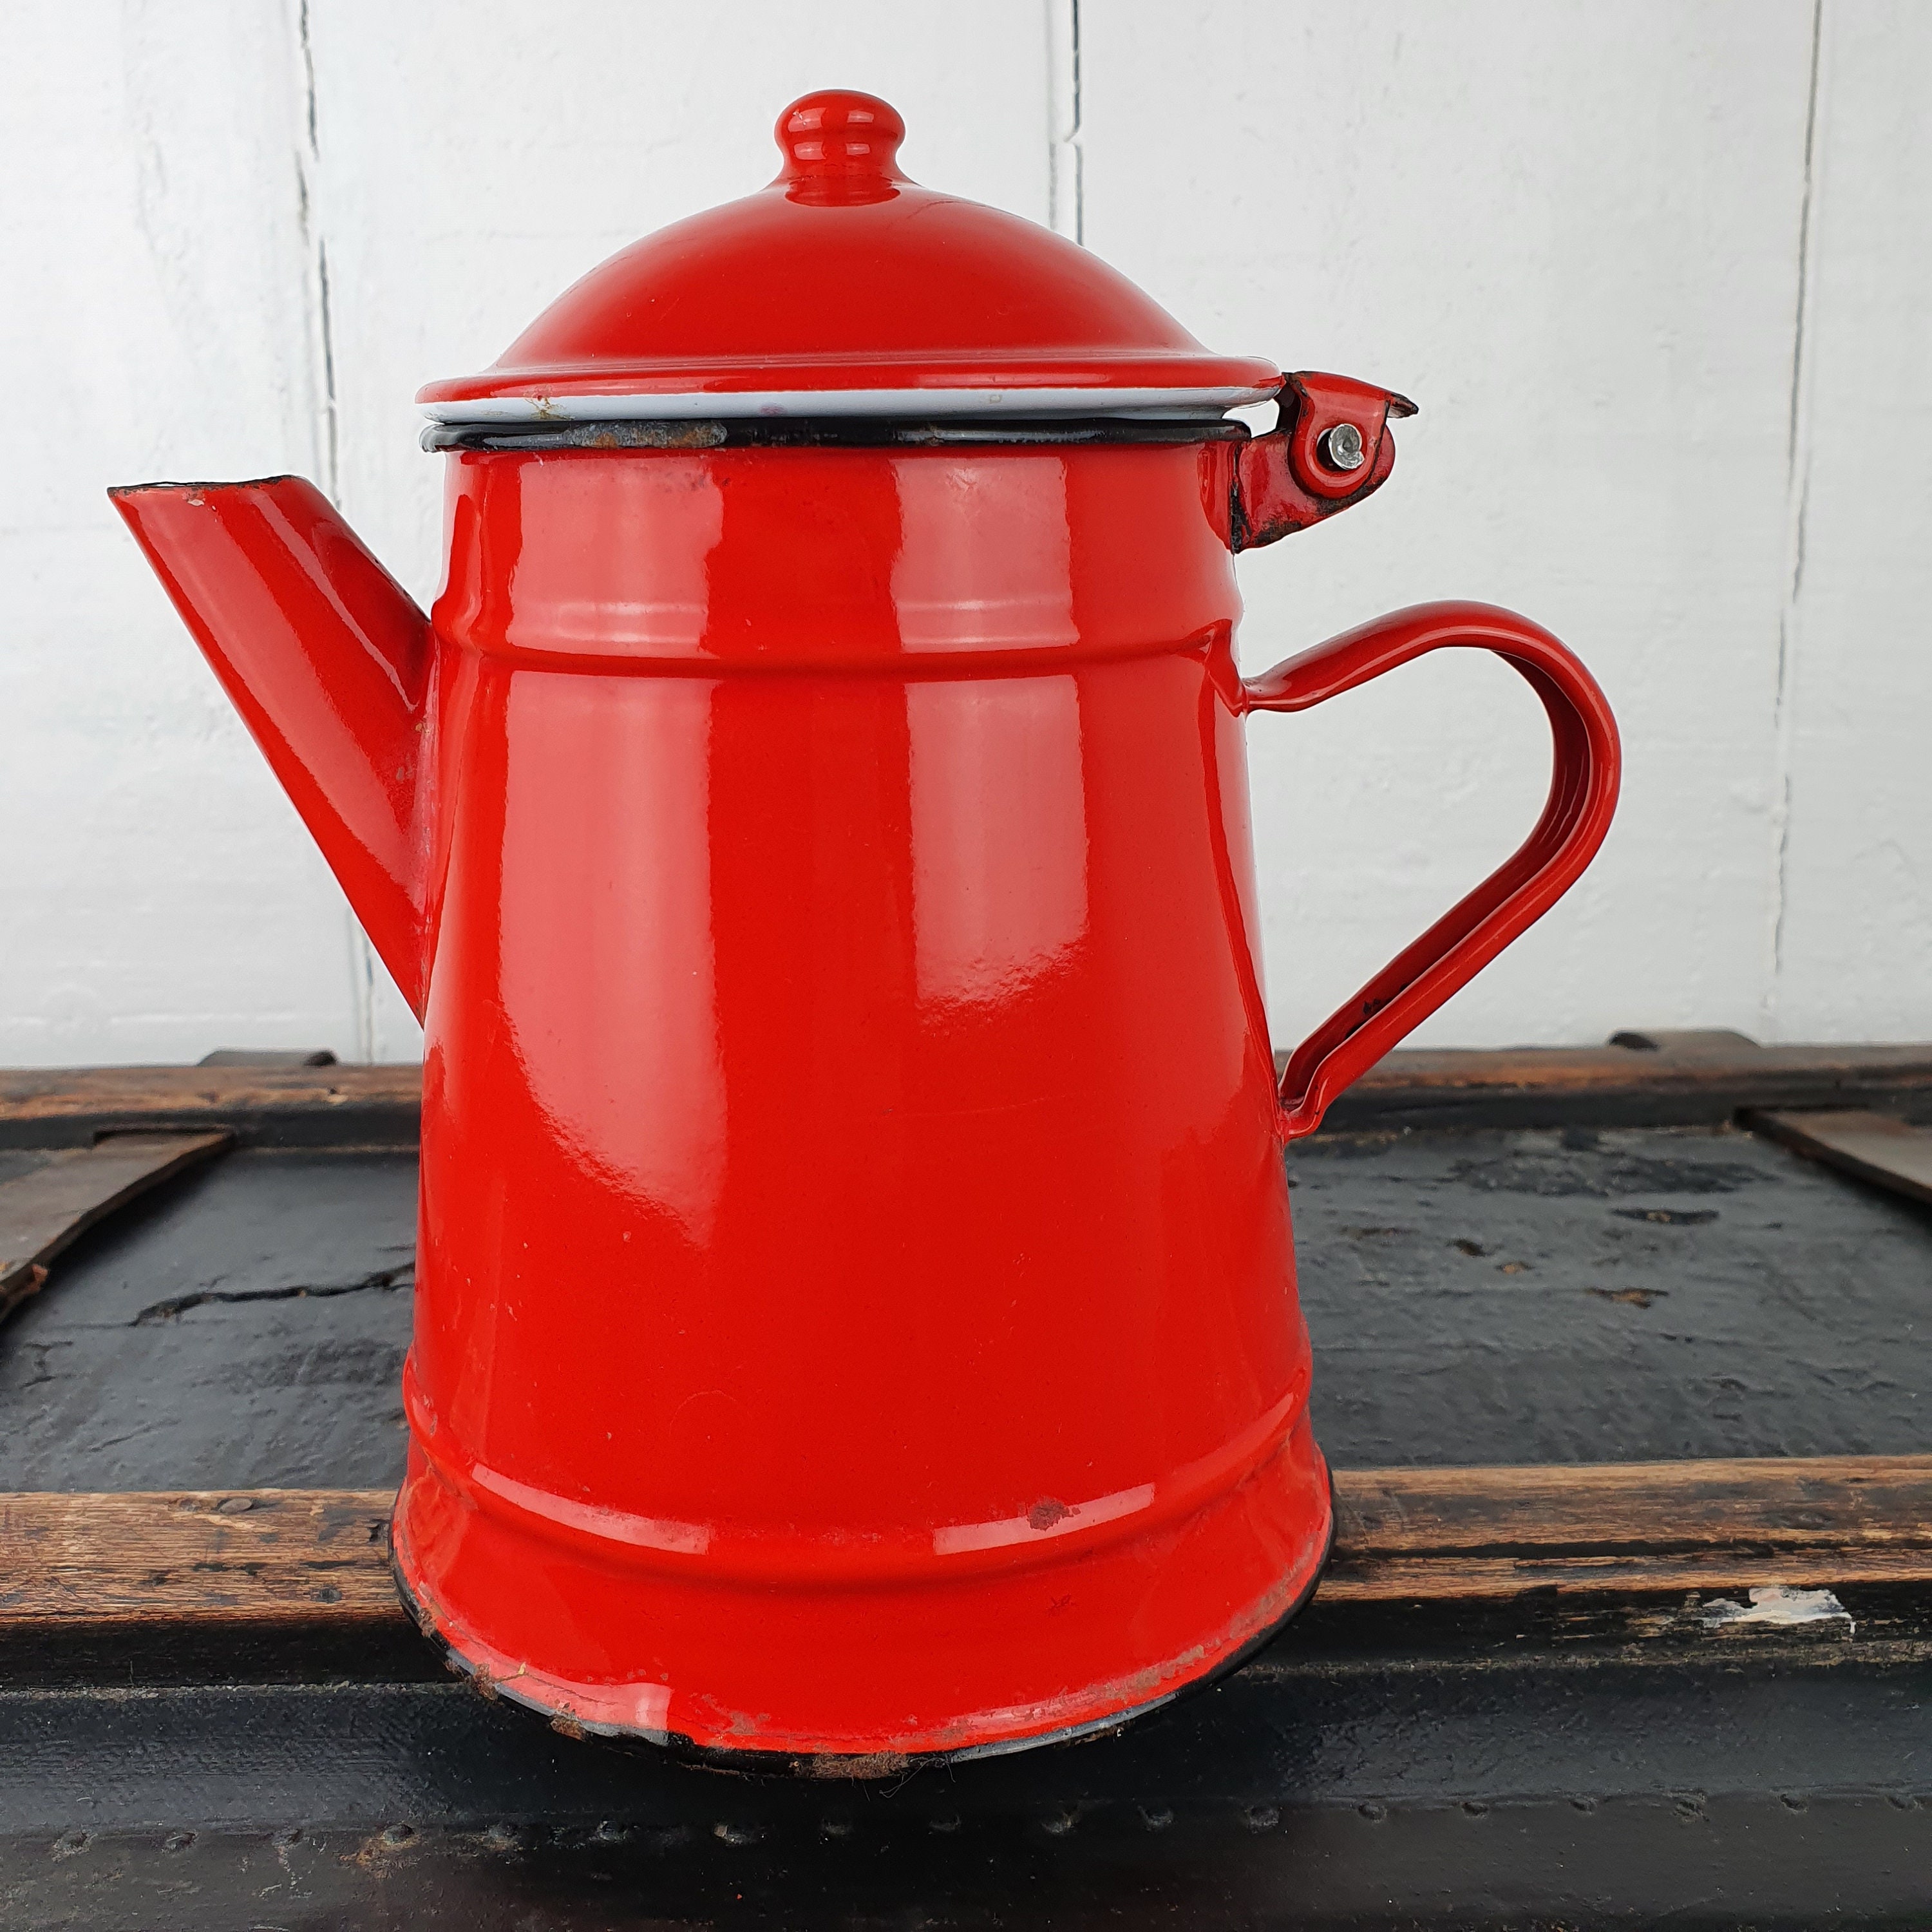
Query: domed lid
{"x": 845, "y": 288}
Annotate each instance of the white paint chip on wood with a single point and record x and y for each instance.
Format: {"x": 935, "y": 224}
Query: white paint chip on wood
{"x": 1776, "y": 1607}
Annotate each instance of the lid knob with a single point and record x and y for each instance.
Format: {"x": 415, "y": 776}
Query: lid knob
{"x": 839, "y": 146}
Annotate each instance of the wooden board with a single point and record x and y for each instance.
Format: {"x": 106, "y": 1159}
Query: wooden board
{"x": 381, "y": 1106}
{"x": 1876, "y": 1148}
{"x": 1467, "y": 1534}
{"x": 264, "y": 1106}
{"x": 47, "y": 1210}
{"x": 253, "y": 1556}
{"x": 1615, "y": 1086}
{"x": 309, "y": 1557}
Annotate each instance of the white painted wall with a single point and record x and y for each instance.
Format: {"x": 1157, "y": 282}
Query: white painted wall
{"x": 1657, "y": 272}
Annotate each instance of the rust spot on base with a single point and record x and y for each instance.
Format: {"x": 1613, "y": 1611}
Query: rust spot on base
{"x": 874, "y": 1764}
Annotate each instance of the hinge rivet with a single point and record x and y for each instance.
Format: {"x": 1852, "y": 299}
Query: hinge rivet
{"x": 1342, "y": 448}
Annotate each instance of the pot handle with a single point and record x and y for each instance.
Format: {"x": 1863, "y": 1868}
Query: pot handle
{"x": 1582, "y": 797}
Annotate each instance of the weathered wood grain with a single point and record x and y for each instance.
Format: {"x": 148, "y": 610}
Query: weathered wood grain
{"x": 381, "y": 1106}
{"x": 1471, "y": 1534}
{"x": 290, "y": 1556}
{"x": 1460, "y": 1579}
{"x": 47, "y": 1210}
{"x": 1638, "y": 1508}
{"x": 1615, "y": 1086}
{"x": 1876, "y": 1148}
{"x": 263, "y": 1106}
{"x": 320, "y": 1558}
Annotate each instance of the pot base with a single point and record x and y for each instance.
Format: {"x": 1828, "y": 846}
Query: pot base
{"x": 836, "y": 1683}
{"x": 854, "y": 1765}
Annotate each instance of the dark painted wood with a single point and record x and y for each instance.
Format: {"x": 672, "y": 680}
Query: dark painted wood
{"x": 46, "y": 1208}
{"x": 1876, "y": 1148}
{"x": 243, "y": 1328}
{"x": 1587, "y": 1295}
{"x": 1767, "y": 1793}
{"x": 1772, "y": 1862}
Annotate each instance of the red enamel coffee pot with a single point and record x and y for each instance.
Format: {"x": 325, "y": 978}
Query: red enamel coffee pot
{"x": 855, "y": 1316}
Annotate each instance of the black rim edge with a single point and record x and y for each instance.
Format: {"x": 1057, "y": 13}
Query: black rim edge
{"x": 829, "y": 433}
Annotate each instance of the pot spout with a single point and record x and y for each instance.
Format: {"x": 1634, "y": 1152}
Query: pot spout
{"x": 328, "y": 659}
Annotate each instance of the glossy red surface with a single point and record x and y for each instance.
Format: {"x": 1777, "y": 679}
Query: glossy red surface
{"x": 329, "y": 662}
{"x": 855, "y": 1309}
{"x": 1586, "y": 767}
{"x": 836, "y": 1242}
{"x": 845, "y": 274}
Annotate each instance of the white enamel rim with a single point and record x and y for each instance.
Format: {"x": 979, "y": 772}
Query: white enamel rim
{"x": 737, "y": 403}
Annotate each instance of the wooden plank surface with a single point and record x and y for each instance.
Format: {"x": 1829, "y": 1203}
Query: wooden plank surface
{"x": 259, "y": 1057}
{"x": 289, "y": 1106}
{"x": 47, "y": 1210}
{"x": 1638, "y": 1508}
{"x": 1612, "y": 1086}
{"x": 1639, "y": 1527}
{"x": 381, "y": 1106}
{"x": 1876, "y": 1148}
{"x": 309, "y": 1557}
{"x": 254, "y": 1556}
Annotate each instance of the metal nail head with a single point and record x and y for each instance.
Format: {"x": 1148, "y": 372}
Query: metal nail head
{"x": 1342, "y": 448}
